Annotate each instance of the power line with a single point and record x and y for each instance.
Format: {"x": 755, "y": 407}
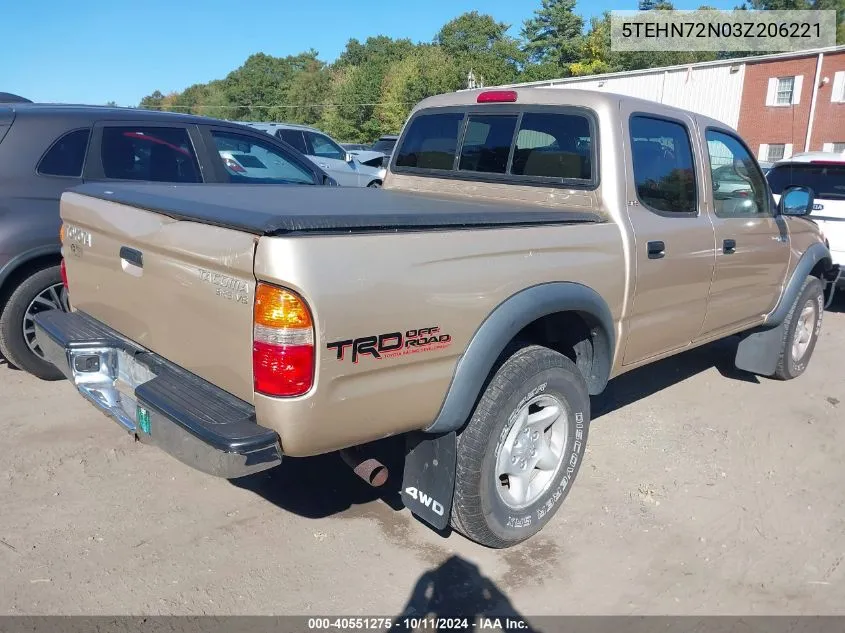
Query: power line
{"x": 302, "y": 105}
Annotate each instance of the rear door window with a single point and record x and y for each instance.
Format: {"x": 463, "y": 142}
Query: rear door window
{"x": 66, "y": 156}
{"x": 826, "y": 180}
{"x": 293, "y": 138}
{"x": 487, "y": 143}
{"x": 250, "y": 160}
{"x": 324, "y": 147}
{"x": 431, "y": 142}
{"x": 663, "y": 165}
{"x": 158, "y": 154}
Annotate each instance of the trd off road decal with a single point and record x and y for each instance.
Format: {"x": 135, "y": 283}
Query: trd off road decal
{"x": 392, "y": 344}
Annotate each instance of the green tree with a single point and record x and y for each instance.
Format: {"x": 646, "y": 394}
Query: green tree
{"x": 596, "y": 55}
{"x": 839, "y": 7}
{"x": 333, "y": 118}
{"x": 375, "y": 50}
{"x": 152, "y": 101}
{"x": 479, "y": 43}
{"x": 262, "y": 82}
{"x": 428, "y": 71}
{"x": 555, "y": 34}
{"x": 356, "y": 90}
{"x": 306, "y": 94}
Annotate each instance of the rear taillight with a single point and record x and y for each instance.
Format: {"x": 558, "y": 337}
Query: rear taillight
{"x": 235, "y": 166}
{"x": 283, "y": 342}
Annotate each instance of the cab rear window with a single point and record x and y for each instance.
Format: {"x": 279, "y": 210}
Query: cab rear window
{"x": 431, "y": 142}
{"x": 827, "y": 181}
{"x": 548, "y": 147}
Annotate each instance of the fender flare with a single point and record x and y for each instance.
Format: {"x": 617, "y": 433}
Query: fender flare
{"x": 504, "y": 323}
{"x": 812, "y": 256}
{"x": 22, "y": 258}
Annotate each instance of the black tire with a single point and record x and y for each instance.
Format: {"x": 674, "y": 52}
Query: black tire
{"x": 13, "y": 345}
{"x": 811, "y": 296}
{"x": 375, "y": 184}
{"x": 479, "y": 510}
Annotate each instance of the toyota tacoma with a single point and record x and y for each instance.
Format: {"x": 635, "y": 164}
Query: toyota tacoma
{"x": 528, "y": 246}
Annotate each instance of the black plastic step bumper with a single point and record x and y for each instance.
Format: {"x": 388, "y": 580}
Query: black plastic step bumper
{"x": 160, "y": 403}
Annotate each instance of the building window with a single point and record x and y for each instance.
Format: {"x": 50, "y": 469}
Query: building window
{"x": 775, "y": 152}
{"x": 839, "y": 148}
{"x": 837, "y": 94}
{"x": 784, "y": 91}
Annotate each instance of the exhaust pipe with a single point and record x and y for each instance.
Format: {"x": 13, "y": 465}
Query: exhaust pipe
{"x": 367, "y": 468}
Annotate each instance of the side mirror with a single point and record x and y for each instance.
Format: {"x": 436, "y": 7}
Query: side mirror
{"x": 349, "y": 158}
{"x": 796, "y": 201}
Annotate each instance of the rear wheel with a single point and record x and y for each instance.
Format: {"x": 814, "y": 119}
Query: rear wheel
{"x": 522, "y": 448}
{"x": 37, "y": 293}
{"x": 801, "y": 330}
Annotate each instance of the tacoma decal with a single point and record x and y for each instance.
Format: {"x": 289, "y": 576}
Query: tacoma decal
{"x": 227, "y": 287}
{"x": 392, "y": 344}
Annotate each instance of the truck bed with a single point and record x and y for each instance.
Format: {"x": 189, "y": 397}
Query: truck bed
{"x": 293, "y": 209}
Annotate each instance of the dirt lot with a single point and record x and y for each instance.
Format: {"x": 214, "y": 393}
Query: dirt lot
{"x": 704, "y": 491}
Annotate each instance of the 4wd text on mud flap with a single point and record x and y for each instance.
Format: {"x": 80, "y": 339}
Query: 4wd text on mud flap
{"x": 392, "y": 343}
{"x": 427, "y": 500}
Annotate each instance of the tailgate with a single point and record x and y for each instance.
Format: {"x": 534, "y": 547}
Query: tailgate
{"x": 183, "y": 290}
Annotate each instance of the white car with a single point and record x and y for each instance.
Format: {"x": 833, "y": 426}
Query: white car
{"x": 824, "y": 173}
{"x": 340, "y": 164}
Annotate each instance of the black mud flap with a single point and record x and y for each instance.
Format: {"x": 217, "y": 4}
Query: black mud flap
{"x": 429, "y": 479}
{"x": 758, "y": 353}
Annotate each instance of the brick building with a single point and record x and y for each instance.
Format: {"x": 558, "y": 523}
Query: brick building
{"x": 781, "y": 104}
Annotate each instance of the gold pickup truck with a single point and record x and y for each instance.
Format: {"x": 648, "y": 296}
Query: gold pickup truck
{"x": 527, "y": 247}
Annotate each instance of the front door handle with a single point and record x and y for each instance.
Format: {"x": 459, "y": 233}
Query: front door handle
{"x": 729, "y": 247}
{"x": 656, "y": 250}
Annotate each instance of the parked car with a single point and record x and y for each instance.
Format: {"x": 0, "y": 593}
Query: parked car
{"x": 45, "y": 149}
{"x": 355, "y": 147}
{"x": 347, "y": 169}
{"x": 528, "y": 246}
{"x": 385, "y": 144}
{"x": 8, "y": 97}
{"x": 824, "y": 173}
{"x": 365, "y": 156}
{"x": 728, "y": 181}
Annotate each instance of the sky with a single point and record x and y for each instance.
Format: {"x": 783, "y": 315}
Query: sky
{"x": 95, "y": 51}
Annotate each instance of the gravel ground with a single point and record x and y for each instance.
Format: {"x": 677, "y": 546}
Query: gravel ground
{"x": 704, "y": 491}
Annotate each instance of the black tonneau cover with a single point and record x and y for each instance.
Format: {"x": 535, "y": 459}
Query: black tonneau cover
{"x": 285, "y": 209}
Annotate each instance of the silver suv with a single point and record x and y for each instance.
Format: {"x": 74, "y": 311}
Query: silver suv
{"x": 340, "y": 164}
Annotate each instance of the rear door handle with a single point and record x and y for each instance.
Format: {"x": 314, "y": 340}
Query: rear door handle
{"x": 729, "y": 247}
{"x": 656, "y": 250}
{"x": 132, "y": 256}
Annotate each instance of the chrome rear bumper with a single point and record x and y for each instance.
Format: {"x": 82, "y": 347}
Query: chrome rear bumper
{"x": 161, "y": 404}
